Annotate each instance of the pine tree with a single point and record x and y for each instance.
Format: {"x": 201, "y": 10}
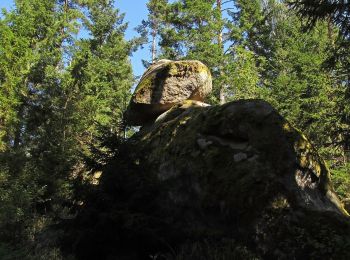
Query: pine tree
{"x": 315, "y": 10}
{"x": 102, "y": 71}
{"x": 299, "y": 84}
{"x": 56, "y": 93}
{"x": 33, "y": 165}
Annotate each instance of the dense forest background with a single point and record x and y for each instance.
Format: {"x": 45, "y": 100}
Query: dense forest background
{"x": 62, "y": 98}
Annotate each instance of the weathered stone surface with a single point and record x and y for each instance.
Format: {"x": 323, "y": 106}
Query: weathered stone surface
{"x": 240, "y": 144}
{"x": 165, "y": 84}
{"x": 225, "y": 182}
{"x": 240, "y": 169}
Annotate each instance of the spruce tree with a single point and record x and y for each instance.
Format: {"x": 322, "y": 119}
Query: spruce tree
{"x": 33, "y": 165}
{"x": 102, "y": 71}
{"x": 334, "y": 11}
{"x": 56, "y": 93}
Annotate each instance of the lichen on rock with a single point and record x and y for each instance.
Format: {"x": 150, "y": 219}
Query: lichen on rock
{"x": 235, "y": 172}
{"x": 242, "y": 145}
{"x": 239, "y": 168}
{"x": 165, "y": 84}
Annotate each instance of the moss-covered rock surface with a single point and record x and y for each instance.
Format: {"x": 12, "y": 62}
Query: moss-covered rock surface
{"x": 241, "y": 170}
{"x": 235, "y": 181}
{"x": 165, "y": 84}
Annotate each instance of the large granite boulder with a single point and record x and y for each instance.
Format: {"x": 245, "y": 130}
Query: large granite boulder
{"x": 165, "y": 84}
{"x": 238, "y": 157}
{"x": 241, "y": 170}
{"x": 235, "y": 181}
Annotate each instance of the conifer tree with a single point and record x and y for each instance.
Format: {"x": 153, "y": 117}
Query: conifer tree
{"x": 33, "y": 165}
{"x": 334, "y": 13}
{"x": 56, "y": 93}
{"x": 315, "y": 10}
{"x": 102, "y": 71}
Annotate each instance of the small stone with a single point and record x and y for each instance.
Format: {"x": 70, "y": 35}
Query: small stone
{"x": 239, "y": 157}
{"x": 203, "y": 144}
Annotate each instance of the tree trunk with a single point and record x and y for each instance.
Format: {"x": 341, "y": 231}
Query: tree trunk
{"x": 219, "y": 7}
{"x": 154, "y": 41}
{"x": 330, "y": 31}
{"x": 222, "y": 98}
{"x": 18, "y": 132}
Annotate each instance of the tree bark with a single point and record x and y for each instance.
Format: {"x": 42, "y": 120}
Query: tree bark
{"x": 154, "y": 41}
{"x": 222, "y": 96}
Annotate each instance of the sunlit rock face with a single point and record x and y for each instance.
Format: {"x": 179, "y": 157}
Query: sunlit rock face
{"x": 165, "y": 84}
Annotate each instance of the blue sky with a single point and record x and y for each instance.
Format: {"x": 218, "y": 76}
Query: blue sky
{"x": 135, "y": 11}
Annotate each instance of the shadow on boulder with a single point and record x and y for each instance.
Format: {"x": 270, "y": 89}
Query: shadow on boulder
{"x": 227, "y": 181}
